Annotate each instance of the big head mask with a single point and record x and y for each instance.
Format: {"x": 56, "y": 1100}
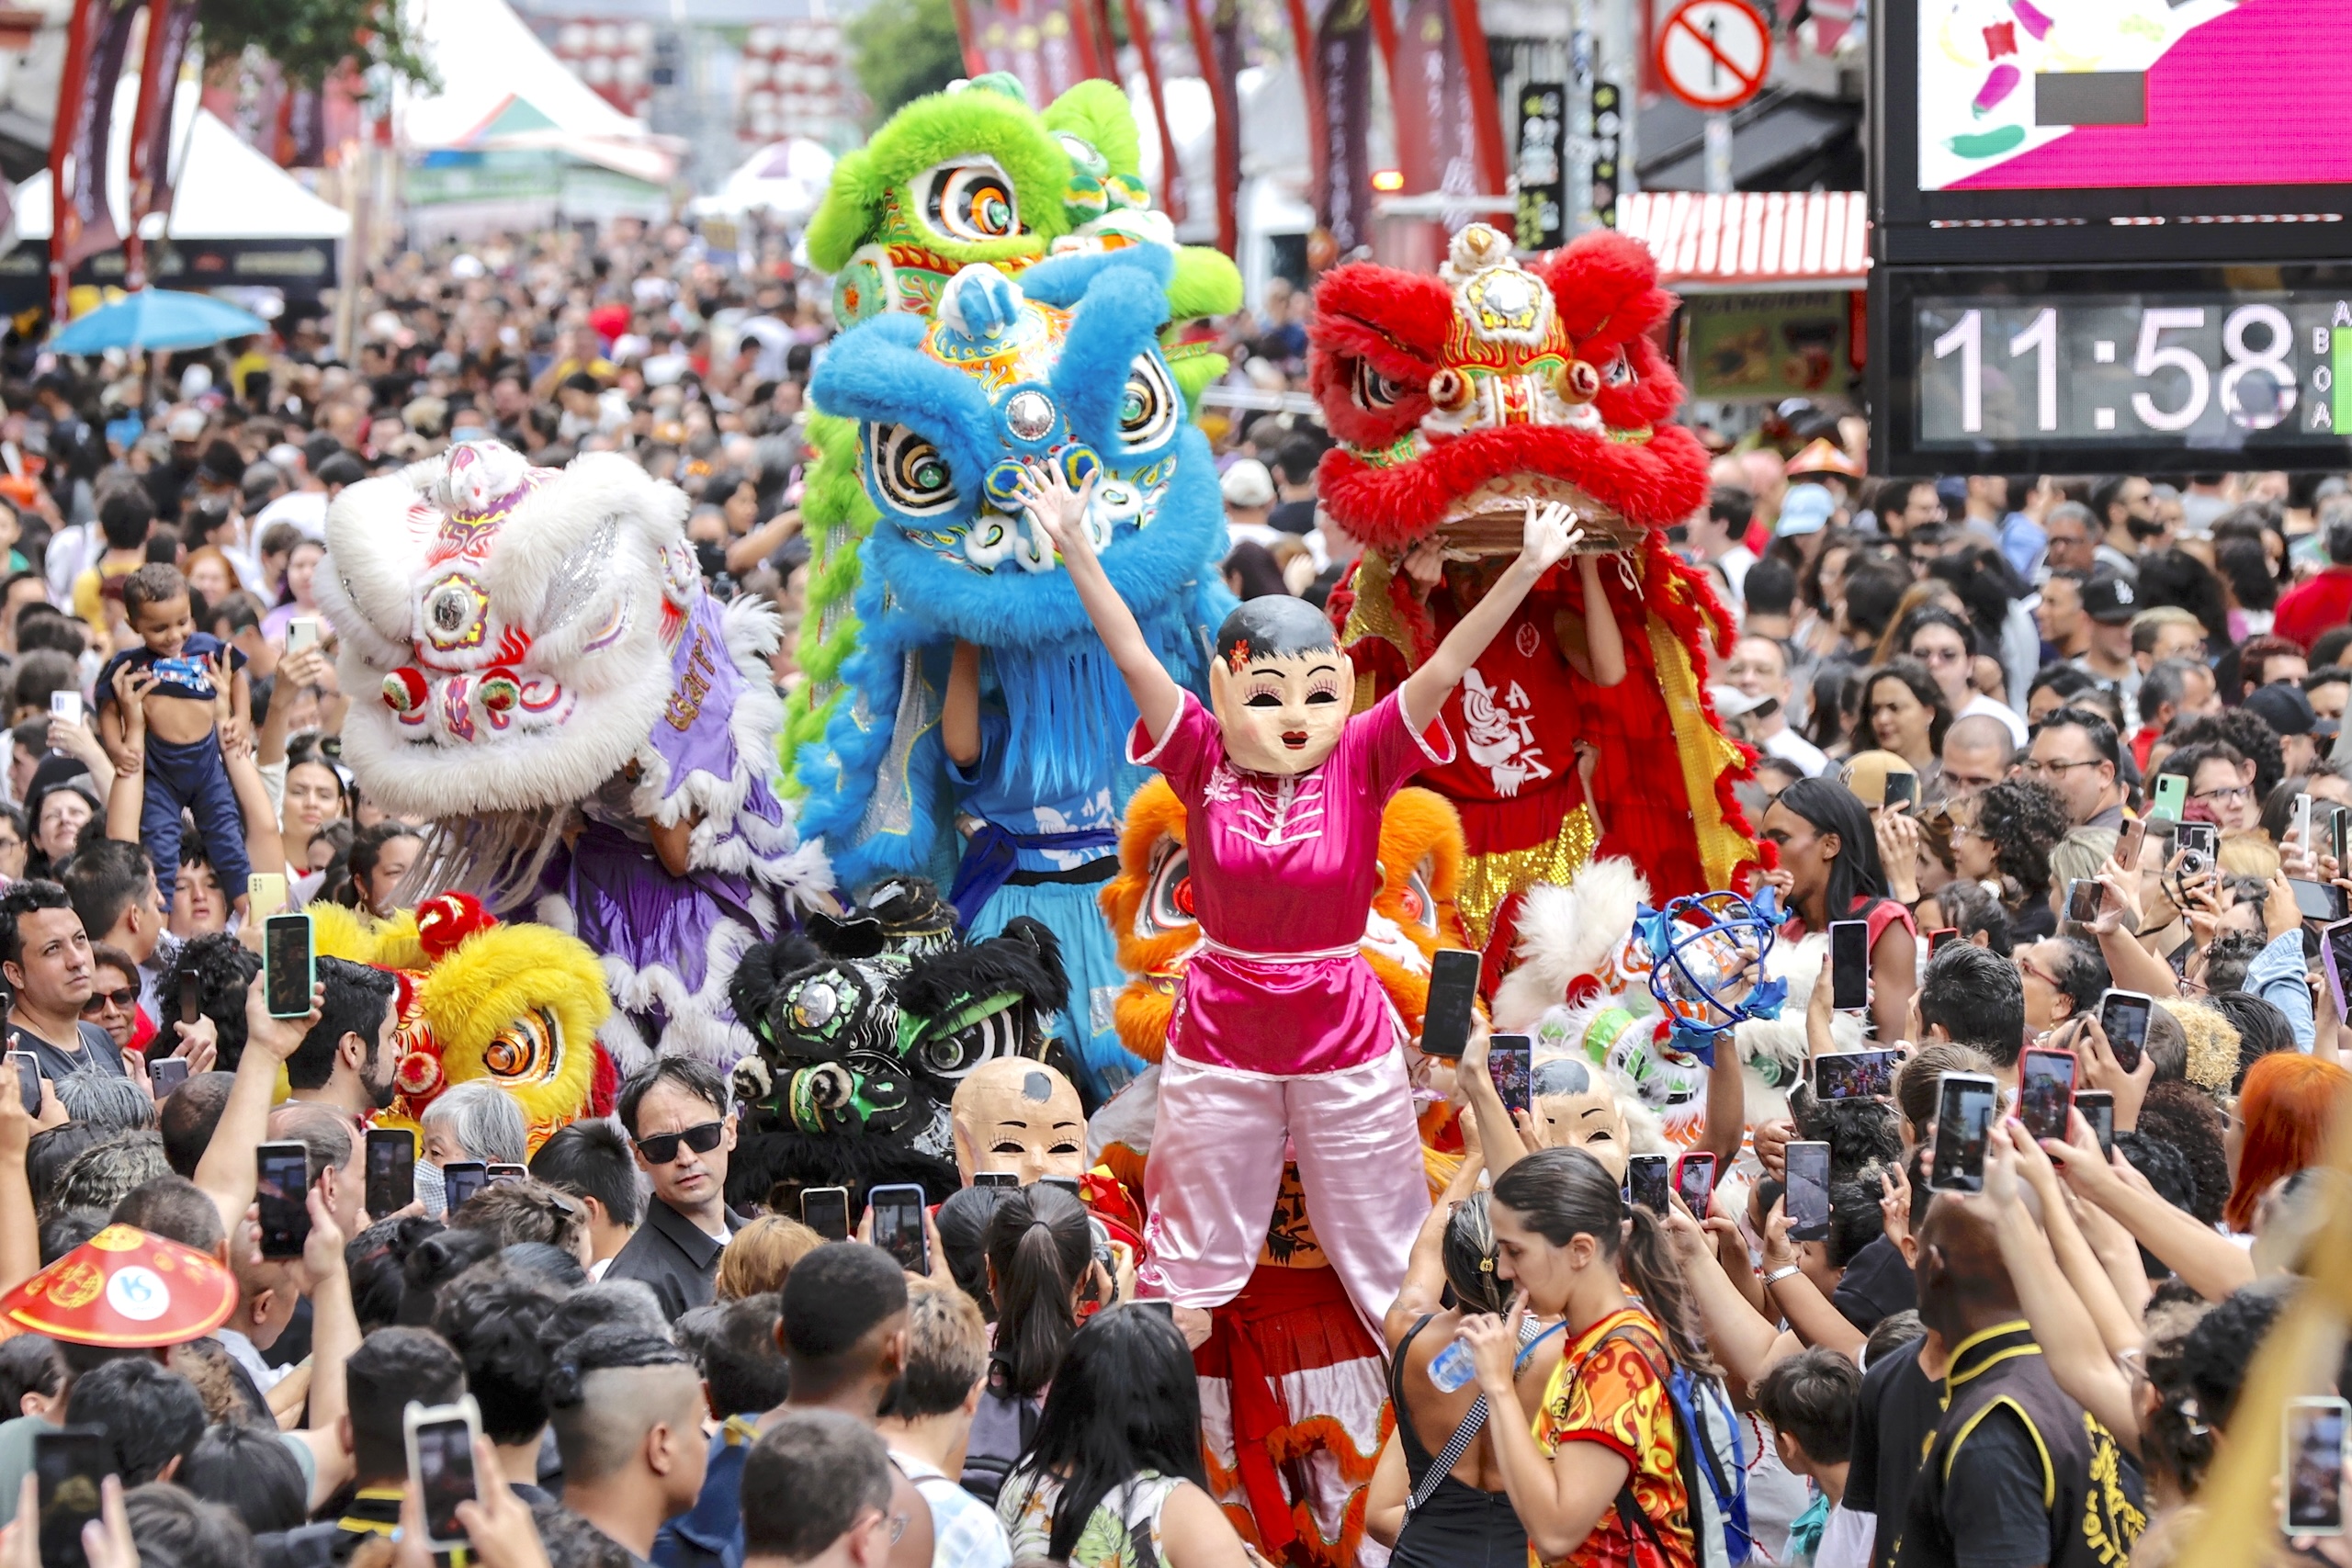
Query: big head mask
{"x": 1281, "y": 687}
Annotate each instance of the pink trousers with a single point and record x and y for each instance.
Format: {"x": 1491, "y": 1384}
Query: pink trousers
{"x": 1216, "y": 1164}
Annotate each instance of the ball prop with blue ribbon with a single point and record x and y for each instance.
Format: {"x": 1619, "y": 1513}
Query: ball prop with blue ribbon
{"x": 1705, "y": 954}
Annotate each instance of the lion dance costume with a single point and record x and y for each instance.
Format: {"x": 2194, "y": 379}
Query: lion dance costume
{"x": 553, "y": 686}
{"x": 970, "y": 353}
{"x": 518, "y": 1005}
{"x": 1458, "y": 399}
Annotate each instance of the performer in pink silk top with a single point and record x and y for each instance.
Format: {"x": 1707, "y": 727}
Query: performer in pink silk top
{"x": 1283, "y": 1044}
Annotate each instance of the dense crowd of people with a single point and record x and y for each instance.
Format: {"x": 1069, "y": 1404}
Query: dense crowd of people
{"x": 2046, "y": 737}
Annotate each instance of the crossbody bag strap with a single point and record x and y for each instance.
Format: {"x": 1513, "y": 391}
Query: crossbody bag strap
{"x": 1473, "y": 1421}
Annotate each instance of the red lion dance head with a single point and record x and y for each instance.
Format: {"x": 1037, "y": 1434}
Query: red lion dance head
{"x": 1460, "y": 396}
{"x": 1460, "y": 399}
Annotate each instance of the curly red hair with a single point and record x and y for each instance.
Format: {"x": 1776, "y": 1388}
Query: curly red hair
{"x": 2288, "y": 1105}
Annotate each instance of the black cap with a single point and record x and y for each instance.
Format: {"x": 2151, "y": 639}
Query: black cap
{"x": 2110, "y": 598}
{"x": 2286, "y": 710}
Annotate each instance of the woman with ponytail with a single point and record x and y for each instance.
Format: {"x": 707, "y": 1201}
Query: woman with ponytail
{"x": 1599, "y": 1479}
{"x": 1040, "y": 1248}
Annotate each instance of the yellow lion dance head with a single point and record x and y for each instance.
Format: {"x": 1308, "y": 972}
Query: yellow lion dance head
{"x": 518, "y": 1005}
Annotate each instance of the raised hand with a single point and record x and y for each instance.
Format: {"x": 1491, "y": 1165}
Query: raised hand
{"x": 1058, "y": 511}
{"x": 1552, "y": 533}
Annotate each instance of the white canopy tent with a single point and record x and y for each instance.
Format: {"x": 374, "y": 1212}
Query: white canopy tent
{"x": 225, "y": 188}
{"x": 489, "y": 59}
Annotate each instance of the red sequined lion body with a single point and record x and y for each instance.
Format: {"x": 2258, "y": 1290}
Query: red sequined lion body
{"x": 1457, "y": 399}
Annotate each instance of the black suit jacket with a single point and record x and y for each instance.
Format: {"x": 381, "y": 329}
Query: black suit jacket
{"x": 674, "y": 1256}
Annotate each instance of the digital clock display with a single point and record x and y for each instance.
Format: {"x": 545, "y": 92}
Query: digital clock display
{"x": 2168, "y": 376}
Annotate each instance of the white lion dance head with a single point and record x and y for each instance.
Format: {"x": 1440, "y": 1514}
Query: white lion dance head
{"x": 535, "y": 664}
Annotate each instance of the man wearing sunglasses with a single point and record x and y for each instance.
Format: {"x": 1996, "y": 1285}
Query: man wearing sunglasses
{"x": 678, "y": 1117}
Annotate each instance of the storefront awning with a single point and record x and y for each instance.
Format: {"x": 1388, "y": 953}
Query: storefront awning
{"x": 1752, "y": 240}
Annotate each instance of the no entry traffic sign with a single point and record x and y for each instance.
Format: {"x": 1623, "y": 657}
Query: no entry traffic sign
{"x": 1713, "y": 54}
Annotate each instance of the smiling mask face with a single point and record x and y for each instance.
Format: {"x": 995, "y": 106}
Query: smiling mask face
{"x": 1279, "y": 686}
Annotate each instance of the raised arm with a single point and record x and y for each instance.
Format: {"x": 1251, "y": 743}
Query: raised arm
{"x": 1604, "y": 645}
{"x": 227, "y": 1173}
{"x": 1061, "y": 513}
{"x": 1550, "y": 536}
{"x": 959, "y": 716}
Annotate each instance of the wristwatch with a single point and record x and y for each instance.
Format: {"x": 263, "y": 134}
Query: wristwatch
{"x": 1777, "y": 1275}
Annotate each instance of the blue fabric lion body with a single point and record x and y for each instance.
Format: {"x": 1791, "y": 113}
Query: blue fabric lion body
{"x": 1070, "y": 374}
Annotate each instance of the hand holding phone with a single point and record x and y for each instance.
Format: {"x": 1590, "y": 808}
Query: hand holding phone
{"x": 441, "y": 1465}
{"x": 1808, "y": 1191}
{"x": 1453, "y": 988}
{"x": 1510, "y": 1062}
{"x": 27, "y": 1080}
{"x": 391, "y": 1170}
{"x": 897, "y": 1213}
{"x": 2311, "y": 1481}
{"x": 1849, "y": 965}
{"x": 2124, "y": 1017}
{"x": 2046, "y": 1090}
{"x": 164, "y": 1076}
{"x": 1965, "y": 1103}
{"x": 70, "y": 1469}
{"x": 289, "y": 966}
{"x": 1694, "y": 1182}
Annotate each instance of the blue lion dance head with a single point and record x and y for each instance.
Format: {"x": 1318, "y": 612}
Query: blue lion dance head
{"x": 1063, "y": 368}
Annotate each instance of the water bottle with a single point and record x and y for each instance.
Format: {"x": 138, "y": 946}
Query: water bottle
{"x": 1453, "y": 1368}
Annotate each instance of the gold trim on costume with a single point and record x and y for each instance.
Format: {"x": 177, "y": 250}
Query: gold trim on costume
{"x": 1487, "y": 880}
{"x": 1704, "y": 753}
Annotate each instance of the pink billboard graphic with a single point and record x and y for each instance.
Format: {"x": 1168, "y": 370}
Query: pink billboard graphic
{"x": 2084, "y": 95}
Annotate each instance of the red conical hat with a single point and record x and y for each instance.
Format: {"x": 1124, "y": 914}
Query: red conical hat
{"x": 125, "y": 1290}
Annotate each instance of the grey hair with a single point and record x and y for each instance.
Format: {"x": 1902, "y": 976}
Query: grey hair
{"x": 484, "y": 1119}
{"x": 105, "y": 1173}
{"x": 2167, "y": 682}
{"x": 106, "y": 1100}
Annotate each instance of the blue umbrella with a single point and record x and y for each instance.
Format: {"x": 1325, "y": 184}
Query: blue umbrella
{"x": 157, "y": 318}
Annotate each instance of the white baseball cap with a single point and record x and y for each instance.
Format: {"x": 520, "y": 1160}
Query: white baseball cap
{"x": 1247, "y": 483}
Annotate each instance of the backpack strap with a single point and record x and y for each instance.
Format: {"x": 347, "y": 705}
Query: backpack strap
{"x": 1636, "y": 1522}
{"x": 1628, "y": 1506}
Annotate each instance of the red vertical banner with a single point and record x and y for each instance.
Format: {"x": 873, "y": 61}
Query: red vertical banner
{"x": 1171, "y": 173}
{"x": 1342, "y": 106}
{"x": 169, "y": 25}
{"x": 1061, "y": 57}
{"x": 66, "y": 148}
{"x": 1217, "y": 47}
{"x": 1436, "y": 148}
{"x": 83, "y": 223}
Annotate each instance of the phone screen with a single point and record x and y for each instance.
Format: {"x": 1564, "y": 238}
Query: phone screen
{"x": 825, "y": 1210}
{"x": 191, "y": 999}
{"x": 286, "y": 957}
{"x": 1808, "y": 1190}
{"x": 391, "y": 1170}
{"x": 507, "y": 1172}
{"x": 1648, "y": 1176}
{"x": 2313, "y": 1460}
{"x": 165, "y": 1073}
{"x": 445, "y": 1476}
{"x": 1454, "y": 986}
{"x": 285, "y": 1184}
{"x": 1853, "y": 1075}
{"x": 2339, "y": 834}
{"x": 2317, "y": 900}
{"x": 897, "y": 1226}
{"x": 2083, "y": 900}
{"x": 1941, "y": 938}
{"x": 2336, "y": 947}
{"x": 1899, "y": 789}
{"x": 69, "y": 1466}
{"x": 28, "y": 1079}
{"x": 996, "y": 1178}
{"x": 2123, "y": 1015}
{"x": 1694, "y": 1180}
{"x": 1964, "y": 1106}
{"x": 1510, "y": 1062}
{"x": 1849, "y": 965}
{"x": 460, "y": 1180}
{"x": 2097, "y": 1107}
{"x": 2045, "y": 1091}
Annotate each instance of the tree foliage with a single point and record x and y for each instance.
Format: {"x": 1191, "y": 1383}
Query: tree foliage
{"x": 310, "y": 40}
{"x": 902, "y": 49}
